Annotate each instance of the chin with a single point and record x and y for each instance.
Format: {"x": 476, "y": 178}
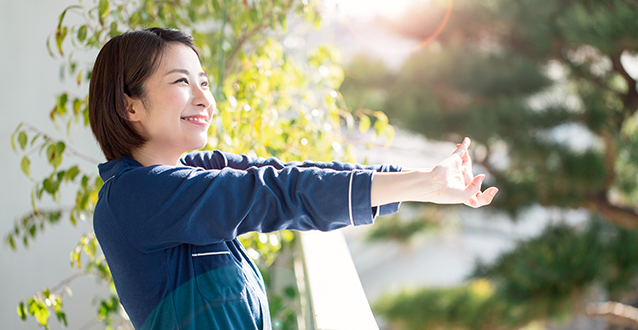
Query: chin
{"x": 198, "y": 145}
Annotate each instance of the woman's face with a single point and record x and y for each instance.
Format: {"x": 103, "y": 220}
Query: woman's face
{"x": 175, "y": 114}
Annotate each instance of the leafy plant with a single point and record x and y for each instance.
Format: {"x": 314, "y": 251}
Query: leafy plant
{"x": 269, "y": 104}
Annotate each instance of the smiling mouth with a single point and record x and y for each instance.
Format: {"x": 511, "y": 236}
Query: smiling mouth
{"x": 196, "y": 120}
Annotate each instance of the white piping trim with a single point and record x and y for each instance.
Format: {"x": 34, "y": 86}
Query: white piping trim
{"x": 350, "y": 198}
{"x": 203, "y": 254}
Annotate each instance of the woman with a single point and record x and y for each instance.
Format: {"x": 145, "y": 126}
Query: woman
{"x": 168, "y": 223}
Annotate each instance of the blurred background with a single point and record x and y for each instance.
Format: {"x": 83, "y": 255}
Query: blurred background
{"x": 547, "y": 92}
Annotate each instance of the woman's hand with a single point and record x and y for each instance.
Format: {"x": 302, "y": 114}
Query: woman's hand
{"x": 454, "y": 182}
{"x": 450, "y": 182}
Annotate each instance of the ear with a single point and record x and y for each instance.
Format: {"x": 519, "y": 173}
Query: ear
{"x": 133, "y": 108}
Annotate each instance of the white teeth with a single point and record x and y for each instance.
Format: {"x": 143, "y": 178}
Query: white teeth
{"x": 201, "y": 120}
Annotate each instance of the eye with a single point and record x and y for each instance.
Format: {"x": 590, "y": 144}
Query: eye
{"x": 184, "y": 80}
{"x": 205, "y": 83}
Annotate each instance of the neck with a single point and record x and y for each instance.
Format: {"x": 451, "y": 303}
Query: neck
{"x": 155, "y": 156}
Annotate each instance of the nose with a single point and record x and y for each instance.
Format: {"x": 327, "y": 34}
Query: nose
{"x": 202, "y": 97}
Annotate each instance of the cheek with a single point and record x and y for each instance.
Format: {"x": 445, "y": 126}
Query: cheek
{"x": 170, "y": 108}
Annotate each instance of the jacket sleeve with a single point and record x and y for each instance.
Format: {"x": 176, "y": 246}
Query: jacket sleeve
{"x": 217, "y": 159}
{"x": 160, "y": 206}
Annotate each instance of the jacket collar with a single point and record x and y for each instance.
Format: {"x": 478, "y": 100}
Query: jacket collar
{"x": 112, "y": 168}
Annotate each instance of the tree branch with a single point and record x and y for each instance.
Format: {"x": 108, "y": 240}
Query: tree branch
{"x": 586, "y": 74}
{"x": 630, "y": 99}
{"x": 615, "y": 313}
{"x": 261, "y": 25}
{"x": 621, "y": 216}
{"x": 240, "y": 43}
{"x": 68, "y": 147}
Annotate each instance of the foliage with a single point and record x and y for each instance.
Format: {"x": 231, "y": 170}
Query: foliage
{"x": 269, "y": 104}
{"x": 548, "y": 276}
{"x": 471, "y": 306}
{"x": 402, "y": 228}
{"x": 510, "y": 75}
{"x": 545, "y": 90}
{"x": 563, "y": 262}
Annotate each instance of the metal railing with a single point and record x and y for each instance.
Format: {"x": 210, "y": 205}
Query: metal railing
{"x": 332, "y": 297}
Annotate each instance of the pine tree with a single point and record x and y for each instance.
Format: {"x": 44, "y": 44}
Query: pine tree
{"x": 545, "y": 91}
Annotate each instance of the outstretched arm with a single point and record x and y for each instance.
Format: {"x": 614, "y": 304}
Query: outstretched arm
{"x": 450, "y": 182}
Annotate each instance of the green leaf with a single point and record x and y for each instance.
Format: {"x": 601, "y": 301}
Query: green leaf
{"x": 135, "y": 19}
{"x": 93, "y": 196}
{"x": 61, "y": 316}
{"x": 57, "y": 304}
{"x": 60, "y": 35}
{"x": 22, "y": 312}
{"x": 35, "y": 137}
{"x": 22, "y": 139}
{"x": 60, "y": 31}
{"x": 389, "y": 135}
{"x": 82, "y": 33}
{"x": 253, "y": 15}
{"x": 13, "y": 142}
{"x": 282, "y": 20}
{"x": 103, "y": 310}
{"x": 72, "y": 64}
{"x": 72, "y": 173}
{"x": 42, "y": 315}
{"x": 49, "y": 47}
{"x": 60, "y": 146}
{"x": 113, "y": 32}
{"x": 85, "y": 182}
{"x": 380, "y": 126}
{"x": 85, "y": 114}
{"x": 287, "y": 235}
{"x": 290, "y": 292}
{"x": 61, "y": 17}
{"x": 25, "y": 165}
{"x": 32, "y": 305}
{"x": 61, "y": 104}
{"x": 12, "y": 242}
{"x": 51, "y": 149}
{"x": 48, "y": 186}
{"x": 91, "y": 248}
{"x": 73, "y": 218}
{"x": 364, "y": 123}
{"x": 98, "y": 183}
{"x": 103, "y": 9}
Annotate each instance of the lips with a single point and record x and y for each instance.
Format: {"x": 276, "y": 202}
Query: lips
{"x": 197, "y": 119}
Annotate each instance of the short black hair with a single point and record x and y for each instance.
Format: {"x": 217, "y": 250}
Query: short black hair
{"x": 122, "y": 67}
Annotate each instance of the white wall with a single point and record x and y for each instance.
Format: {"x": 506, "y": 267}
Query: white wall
{"x": 29, "y": 81}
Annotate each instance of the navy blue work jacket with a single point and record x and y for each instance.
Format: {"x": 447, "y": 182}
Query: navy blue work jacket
{"x": 169, "y": 233}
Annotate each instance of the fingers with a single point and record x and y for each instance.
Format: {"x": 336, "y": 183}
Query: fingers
{"x": 466, "y": 163}
{"x": 475, "y": 186}
{"x": 462, "y": 148}
{"x": 487, "y": 196}
{"x": 465, "y": 157}
{"x": 476, "y": 198}
{"x": 483, "y": 198}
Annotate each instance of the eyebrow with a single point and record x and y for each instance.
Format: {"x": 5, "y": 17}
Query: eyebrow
{"x": 186, "y": 72}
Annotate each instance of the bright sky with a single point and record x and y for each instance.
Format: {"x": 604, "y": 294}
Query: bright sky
{"x": 368, "y": 9}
